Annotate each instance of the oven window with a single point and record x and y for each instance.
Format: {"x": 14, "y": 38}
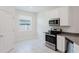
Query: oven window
{"x": 51, "y": 39}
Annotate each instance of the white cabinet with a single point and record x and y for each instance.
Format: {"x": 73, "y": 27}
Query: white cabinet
{"x": 64, "y": 16}
{"x": 52, "y": 14}
{"x": 76, "y": 48}
{"x": 61, "y": 43}
{"x": 62, "y": 13}
{"x": 6, "y": 31}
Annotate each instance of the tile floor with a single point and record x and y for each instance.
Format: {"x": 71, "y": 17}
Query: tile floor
{"x": 33, "y": 46}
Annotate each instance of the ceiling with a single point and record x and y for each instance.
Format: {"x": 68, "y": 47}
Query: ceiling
{"x": 35, "y": 9}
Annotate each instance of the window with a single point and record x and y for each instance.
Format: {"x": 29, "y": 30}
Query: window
{"x": 25, "y": 23}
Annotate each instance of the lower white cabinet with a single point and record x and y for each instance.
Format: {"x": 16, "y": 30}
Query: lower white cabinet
{"x": 76, "y": 48}
{"x": 61, "y": 43}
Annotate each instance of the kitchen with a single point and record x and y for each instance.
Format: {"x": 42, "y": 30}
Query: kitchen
{"x": 39, "y": 31}
{"x": 44, "y": 29}
{"x": 66, "y": 30}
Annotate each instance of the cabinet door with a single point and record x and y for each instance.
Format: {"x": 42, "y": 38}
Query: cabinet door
{"x": 76, "y": 48}
{"x": 6, "y": 31}
{"x": 52, "y": 14}
{"x": 51, "y": 39}
{"x": 61, "y": 43}
{"x": 64, "y": 15}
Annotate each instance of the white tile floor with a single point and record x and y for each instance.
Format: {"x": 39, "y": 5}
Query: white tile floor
{"x": 33, "y": 46}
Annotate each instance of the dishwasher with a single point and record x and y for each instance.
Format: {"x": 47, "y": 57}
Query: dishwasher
{"x": 69, "y": 46}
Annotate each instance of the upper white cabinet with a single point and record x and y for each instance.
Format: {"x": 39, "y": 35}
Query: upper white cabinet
{"x": 52, "y": 14}
{"x": 63, "y": 13}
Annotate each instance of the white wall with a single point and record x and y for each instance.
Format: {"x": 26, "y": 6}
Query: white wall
{"x": 74, "y": 19}
{"x": 26, "y": 35}
{"x": 42, "y": 25}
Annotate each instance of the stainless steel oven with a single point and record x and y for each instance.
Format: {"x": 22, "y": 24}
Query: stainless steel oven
{"x": 51, "y": 41}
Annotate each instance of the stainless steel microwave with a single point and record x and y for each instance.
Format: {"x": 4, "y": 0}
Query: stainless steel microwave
{"x": 54, "y": 22}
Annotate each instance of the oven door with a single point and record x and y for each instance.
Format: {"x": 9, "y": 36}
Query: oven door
{"x": 51, "y": 39}
{"x": 51, "y": 42}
